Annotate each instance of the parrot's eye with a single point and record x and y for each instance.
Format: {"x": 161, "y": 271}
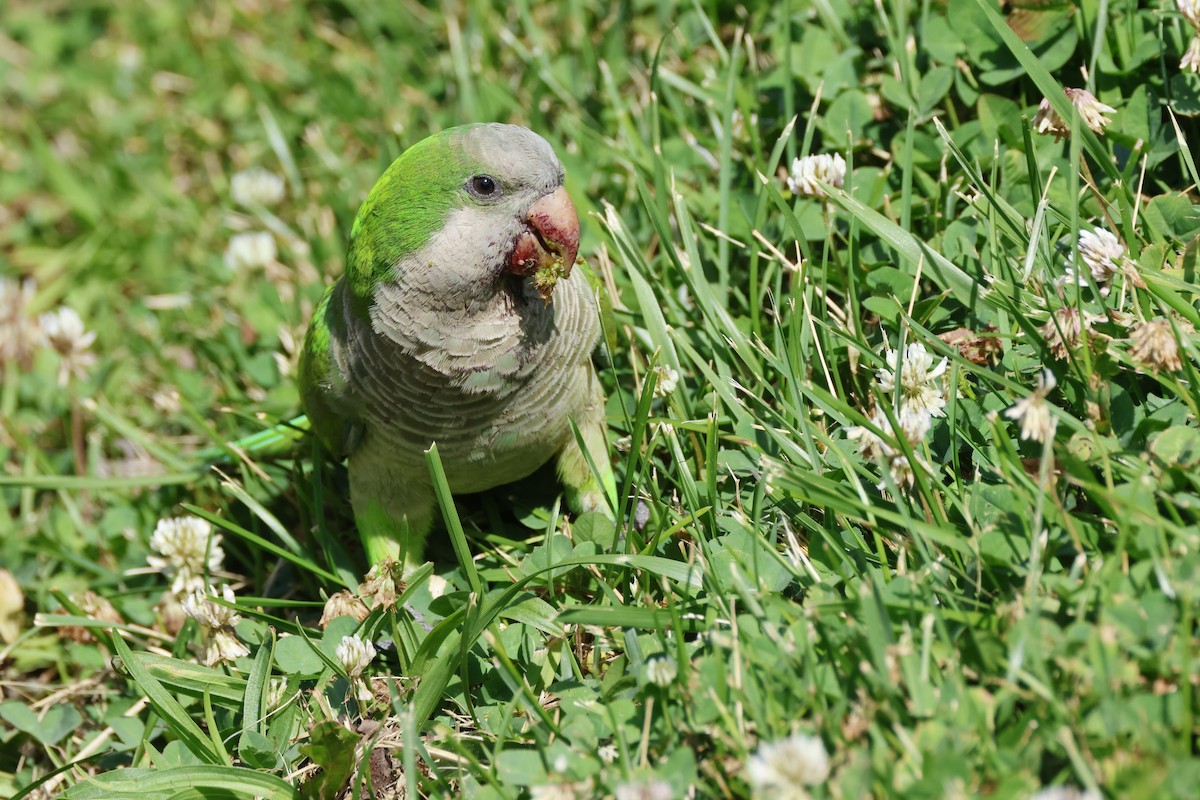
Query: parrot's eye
{"x": 483, "y": 186}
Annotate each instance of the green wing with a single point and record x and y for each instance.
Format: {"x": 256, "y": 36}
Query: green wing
{"x": 323, "y": 387}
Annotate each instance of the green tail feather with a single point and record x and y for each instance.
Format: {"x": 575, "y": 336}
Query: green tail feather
{"x": 275, "y": 440}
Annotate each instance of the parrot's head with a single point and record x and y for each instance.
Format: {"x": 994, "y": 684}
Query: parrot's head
{"x": 461, "y": 212}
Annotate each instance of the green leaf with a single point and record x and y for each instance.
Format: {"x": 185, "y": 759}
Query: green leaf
{"x": 458, "y": 539}
{"x": 847, "y": 118}
{"x": 331, "y": 747}
{"x": 254, "y": 747}
{"x": 164, "y": 784}
{"x": 258, "y": 751}
{"x": 627, "y": 617}
{"x": 1178, "y": 447}
{"x": 175, "y": 754}
{"x": 934, "y": 86}
{"x": 49, "y": 728}
{"x": 592, "y": 526}
{"x": 1185, "y": 94}
{"x": 536, "y": 612}
{"x": 1172, "y": 216}
{"x": 746, "y": 552}
{"x": 191, "y": 679}
{"x": 67, "y": 182}
{"x": 1000, "y": 119}
{"x": 546, "y": 557}
{"x": 522, "y": 767}
{"x": 295, "y": 656}
{"x": 258, "y": 541}
{"x": 177, "y": 719}
{"x": 940, "y": 39}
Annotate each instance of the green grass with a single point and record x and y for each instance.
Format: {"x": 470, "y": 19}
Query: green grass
{"x": 1023, "y": 615}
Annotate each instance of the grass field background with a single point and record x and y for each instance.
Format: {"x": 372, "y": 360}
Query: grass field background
{"x": 999, "y": 601}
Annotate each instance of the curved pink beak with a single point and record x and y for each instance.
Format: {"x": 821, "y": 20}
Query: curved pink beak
{"x": 551, "y": 238}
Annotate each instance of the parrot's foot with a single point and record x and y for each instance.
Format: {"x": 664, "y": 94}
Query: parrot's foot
{"x": 387, "y": 533}
{"x": 380, "y": 548}
{"x": 583, "y": 465}
{"x": 588, "y": 499}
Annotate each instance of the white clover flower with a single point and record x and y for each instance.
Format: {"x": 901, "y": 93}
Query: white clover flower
{"x": 563, "y": 790}
{"x": 187, "y": 548}
{"x": 1072, "y": 278}
{"x": 1103, "y": 252}
{"x": 276, "y": 693}
{"x": 1047, "y": 121}
{"x": 1190, "y": 10}
{"x": 250, "y": 250}
{"x": 608, "y": 753}
{"x": 354, "y": 654}
{"x": 807, "y": 171}
{"x": 200, "y": 607}
{"x": 256, "y": 186}
{"x": 1154, "y": 345}
{"x": 661, "y": 670}
{"x": 217, "y": 623}
{"x": 1091, "y": 111}
{"x": 783, "y": 769}
{"x": 62, "y": 331}
{"x": 645, "y": 790}
{"x": 1033, "y": 412}
{"x": 18, "y": 328}
{"x": 921, "y": 394}
{"x": 552, "y": 791}
{"x": 1065, "y": 793}
{"x": 872, "y": 446}
{"x": 1191, "y": 58}
{"x": 166, "y": 400}
{"x": 129, "y": 58}
{"x": 224, "y": 646}
{"x": 668, "y": 379}
{"x": 1104, "y": 256}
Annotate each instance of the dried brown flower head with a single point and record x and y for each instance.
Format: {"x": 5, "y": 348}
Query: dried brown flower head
{"x": 343, "y": 604}
{"x": 1063, "y": 331}
{"x": 978, "y": 347}
{"x": 94, "y": 606}
{"x": 1154, "y": 344}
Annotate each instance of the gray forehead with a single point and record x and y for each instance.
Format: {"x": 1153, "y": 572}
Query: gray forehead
{"x": 514, "y": 154}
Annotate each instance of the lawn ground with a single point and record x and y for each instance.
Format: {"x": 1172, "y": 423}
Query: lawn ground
{"x": 906, "y": 447}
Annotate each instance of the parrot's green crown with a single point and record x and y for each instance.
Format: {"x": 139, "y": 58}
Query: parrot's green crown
{"x": 492, "y": 168}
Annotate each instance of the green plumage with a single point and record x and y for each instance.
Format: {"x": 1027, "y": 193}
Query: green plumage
{"x": 431, "y": 336}
{"x": 407, "y": 205}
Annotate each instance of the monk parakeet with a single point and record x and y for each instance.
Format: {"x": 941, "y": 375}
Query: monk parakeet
{"x": 460, "y": 322}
